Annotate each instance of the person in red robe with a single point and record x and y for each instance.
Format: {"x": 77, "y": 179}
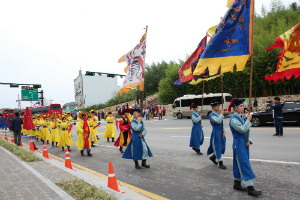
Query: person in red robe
{"x": 125, "y": 130}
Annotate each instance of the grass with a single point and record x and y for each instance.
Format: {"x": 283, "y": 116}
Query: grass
{"x": 81, "y": 190}
{"x": 26, "y": 156}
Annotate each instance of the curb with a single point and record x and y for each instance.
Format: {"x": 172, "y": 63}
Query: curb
{"x": 88, "y": 180}
{"x": 54, "y": 187}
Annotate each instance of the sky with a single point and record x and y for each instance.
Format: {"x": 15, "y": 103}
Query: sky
{"x": 47, "y": 42}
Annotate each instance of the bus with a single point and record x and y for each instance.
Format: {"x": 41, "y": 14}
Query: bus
{"x": 181, "y": 105}
{"x": 44, "y": 110}
{"x": 8, "y": 113}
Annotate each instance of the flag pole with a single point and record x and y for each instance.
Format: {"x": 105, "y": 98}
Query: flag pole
{"x": 202, "y": 96}
{"x": 222, "y": 89}
{"x": 251, "y": 70}
{"x": 144, "y": 84}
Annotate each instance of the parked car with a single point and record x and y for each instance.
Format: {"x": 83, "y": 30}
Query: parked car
{"x": 290, "y": 109}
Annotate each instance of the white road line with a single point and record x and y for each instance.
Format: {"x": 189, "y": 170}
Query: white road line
{"x": 106, "y": 146}
{"x": 186, "y": 136}
{"x": 271, "y": 161}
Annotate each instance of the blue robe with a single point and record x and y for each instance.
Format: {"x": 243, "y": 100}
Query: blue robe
{"x": 1, "y": 123}
{"x": 137, "y": 148}
{"x": 197, "y": 136}
{"x": 216, "y": 140}
{"x": 241, "y": 165}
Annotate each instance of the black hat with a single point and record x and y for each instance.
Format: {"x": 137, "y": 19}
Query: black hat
{"x": 135, "y": 110}
{"x": 193, "y": 105}
{"x": 235, "y": 102}
{"x": 214, "y": 102}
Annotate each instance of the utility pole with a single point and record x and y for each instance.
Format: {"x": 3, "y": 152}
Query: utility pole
{"x": 42, "y": 97}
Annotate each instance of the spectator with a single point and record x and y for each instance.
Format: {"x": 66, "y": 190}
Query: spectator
{"x": 164, "y": 111}
{"x": 255, "y": 105}
{"x": 123, "y": 107}
{"x": 127, "y": 106}
{"x": 16, "y": 127}
{"x": 102, "y": 114}
{"x": 99, "y": 116}
{"x": 147, "y": 112}
{"x": 278, "y": 116}
{"x": 160, "y": 113}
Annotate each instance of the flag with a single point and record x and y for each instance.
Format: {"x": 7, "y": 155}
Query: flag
{"x": 135, "y": 70}
{"x": 205, "y": 76}
{"x": 289, "y": 57}
{"x": 185, "y": 73}
{"x": 232, "y": 43}
{"x": 86, "y": 132}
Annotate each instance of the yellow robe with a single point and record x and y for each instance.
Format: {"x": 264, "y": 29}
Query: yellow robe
{"x": 96, "y": 120}
{"x": 54, "y": 132}
{"x": 59, "y": 122}
{"x": 37, "y": 122}
{"x": 23, "y": 130}
{"x": 130, "y": 117}
{"x": 80, "y": 142}
{"x": 65, "y": 137}
{"x": 110, "y": 128}
{"x": 44, "y": 134}
{"x": 93, "y": 133}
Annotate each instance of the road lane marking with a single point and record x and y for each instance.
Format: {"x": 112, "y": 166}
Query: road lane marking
{"x": 271, "y": 161}
{"x": 186, "y": 136}
{"x": 136, "y": 189}
{"x": 105, "y": 146}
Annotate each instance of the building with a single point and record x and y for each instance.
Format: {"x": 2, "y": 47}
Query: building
{"x": 90, "y": 90}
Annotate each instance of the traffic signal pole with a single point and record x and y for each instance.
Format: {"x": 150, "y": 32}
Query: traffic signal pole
{"x": 42, "y": 97}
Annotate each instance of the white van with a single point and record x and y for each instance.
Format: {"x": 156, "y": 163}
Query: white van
{"x": 181, "y": 105}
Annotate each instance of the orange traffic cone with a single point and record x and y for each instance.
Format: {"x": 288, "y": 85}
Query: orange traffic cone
{"x": 12, "y": 139}
{"x": 68, "y": 163}
{"x": 45, "y": 152}
{"x": 21, "y": 144}
{"x": 6, "y": 137}
{"x": 112, "y": 180}
{"x": 31, "y": 148}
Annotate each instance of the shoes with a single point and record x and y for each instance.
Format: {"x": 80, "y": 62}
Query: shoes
{"x": 213, "y": 159}
{"x": 82, "y": 154}
{"x": 221, "y": 165}
{"x": 63, "y": 149}
{"x": 199, "y": 152}
{"x": 144, "y": 164}
{"x": 280, "y": 135}
{"x": 137, "y": 165}
{"x": 276, "y": 134}
{"x": 89, "y": 154}
{"x": 253, "y": 192}
{"x": 194, "y": 149}
{"x": 237, "y": 186}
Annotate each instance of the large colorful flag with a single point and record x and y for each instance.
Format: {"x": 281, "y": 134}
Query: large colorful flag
{"x": 289, "y": 57}
{"x": 185, "y": 73}
{"x": 205, "y": 76}
{"x": 135, "y": 70}
{"x": 232, "y": 42}
{"x": 86, "y": 132}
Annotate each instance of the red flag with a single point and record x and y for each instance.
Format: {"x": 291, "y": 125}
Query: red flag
{"x": 86, "y": 131}
{"x": 27, "y": 124}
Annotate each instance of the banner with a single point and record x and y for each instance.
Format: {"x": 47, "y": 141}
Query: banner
{"x": 86, "y": 133}
{"x": 205, "y": 77}
{"x": 185, "y": 73}
{"x": 289, "y": 57}
{"x": 231, "y": 44}
{"x": 135, "y": 70}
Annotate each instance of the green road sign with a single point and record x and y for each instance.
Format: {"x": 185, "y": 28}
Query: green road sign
{"x": 29, "y": 95}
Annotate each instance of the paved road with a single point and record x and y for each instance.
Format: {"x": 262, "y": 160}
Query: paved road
{"x": 177, "y": 172}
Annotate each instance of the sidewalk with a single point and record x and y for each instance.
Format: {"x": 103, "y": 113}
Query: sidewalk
{"x": 19, "y": 181}
{"x": 36, "y": 180}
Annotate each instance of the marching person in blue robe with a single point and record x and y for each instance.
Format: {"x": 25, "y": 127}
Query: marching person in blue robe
{"x": 137, "y": 148}
{"x": 1, "y": 123}
{"x": 197, "y": 136}
{"x": 239, "y": 127}
{"x": 217, "y": 139}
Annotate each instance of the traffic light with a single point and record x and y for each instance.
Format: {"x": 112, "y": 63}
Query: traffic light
{"x": 87, "y": 73}
{"x": 37, "y": 86}
{"x": 111, "y": 75}
{"x": 14, "y": 85}
{"x": 144, "y": 96}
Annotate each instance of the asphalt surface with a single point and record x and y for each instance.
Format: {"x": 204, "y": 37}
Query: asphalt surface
{"x": 177, "y": 172}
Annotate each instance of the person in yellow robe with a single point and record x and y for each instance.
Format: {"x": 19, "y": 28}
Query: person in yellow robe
{"x": 70, "y": 118}
{"x": 110, "y": 128}
{"x": 80, "y": 140}
{"x": 54, "y": 137}
{"x": 65, "y": 140}
{"x": 93, "y": 127}
{"x": 38, "y": 124}
{"x": 44, "y": 134}
{"x": 59, "y": 122}
{"x": 95, "y": 118}
{"x": 33, "y": 131}
{"x": 130, "y": 117}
